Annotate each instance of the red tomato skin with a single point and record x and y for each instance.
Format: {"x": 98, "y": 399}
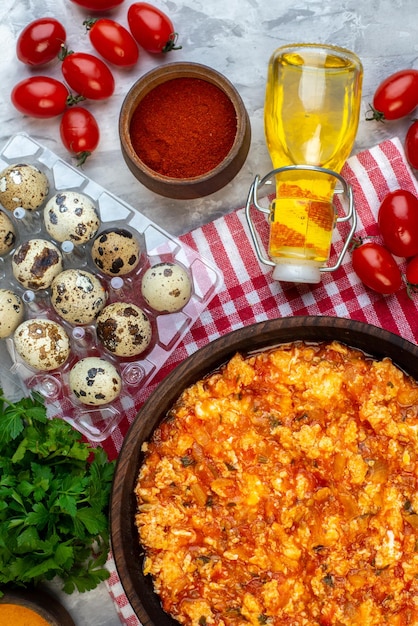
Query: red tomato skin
{"x": 397, "y": 95}
{"x": 88, "y": 76}
{"x": 98, "y": 5}
{"x": 411, "y": 272}
{"x": 40, "y": 41}
{"x": 114, "y": 42}
{"x": 398, "y": 222}
{"x": 40, "y": 96}
{"x": 79, "y": 130}
{"x": 376, "y": 268}
{"x": 411, "y": 145}
{"x": 151, "y": 28}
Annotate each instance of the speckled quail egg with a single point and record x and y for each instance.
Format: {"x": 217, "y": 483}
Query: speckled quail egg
{"x": 7, "y": 234}
{"x": 95, "y": 381}
{"x": 124, "y": 329}
{"x": 12, "y": 312}
{"x": 116, "y": 252}
{"x": 77, "y": 296}
{"x": 23, "y": 185}
{"x": 71, "y": 216}
{"x": 166, "y": 287}
{"x": 42, "y": 343}
{"x": 35, "y": 264}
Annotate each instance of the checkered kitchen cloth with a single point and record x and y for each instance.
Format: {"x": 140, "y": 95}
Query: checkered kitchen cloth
{"x": 250, "y": 295}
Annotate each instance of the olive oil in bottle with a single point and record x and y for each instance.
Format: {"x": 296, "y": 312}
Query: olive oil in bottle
{"x": 311, "y": 116}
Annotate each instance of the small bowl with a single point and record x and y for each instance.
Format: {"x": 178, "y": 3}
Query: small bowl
{"x": 196, "y": 186}
{"x": 40, "y": 602}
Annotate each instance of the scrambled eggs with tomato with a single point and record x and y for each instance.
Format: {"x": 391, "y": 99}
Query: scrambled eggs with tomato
{"x": 282, "y": 490}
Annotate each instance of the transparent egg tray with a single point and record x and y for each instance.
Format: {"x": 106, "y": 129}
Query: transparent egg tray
{"x": 97, "y": 422}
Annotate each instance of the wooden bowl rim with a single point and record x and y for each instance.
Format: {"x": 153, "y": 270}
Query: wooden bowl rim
{"x": 371, "y": 339}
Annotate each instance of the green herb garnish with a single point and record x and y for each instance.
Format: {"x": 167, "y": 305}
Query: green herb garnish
{"x": 187, "y": 461}
{"x": 328, "y": 580}
{"x": 54, "y": 499}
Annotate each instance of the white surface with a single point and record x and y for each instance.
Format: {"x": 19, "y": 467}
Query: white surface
{"x": 236, "y": 37}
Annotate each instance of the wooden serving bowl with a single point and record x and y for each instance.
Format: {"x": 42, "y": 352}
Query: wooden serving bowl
{"x": 184, "y": 188}
{"x": 126, "y": 549}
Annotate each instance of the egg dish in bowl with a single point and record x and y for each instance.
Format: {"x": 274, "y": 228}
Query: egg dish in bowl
{"x": 278, "y": 488}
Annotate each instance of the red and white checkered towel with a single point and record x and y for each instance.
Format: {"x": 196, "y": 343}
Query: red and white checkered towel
{"x": 250, "y": 295}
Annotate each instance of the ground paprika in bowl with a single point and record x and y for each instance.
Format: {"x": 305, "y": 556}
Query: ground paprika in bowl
{"x": 184, "y": 130}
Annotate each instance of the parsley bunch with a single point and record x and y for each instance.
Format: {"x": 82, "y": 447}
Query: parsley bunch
{"x": 54, "y": 497}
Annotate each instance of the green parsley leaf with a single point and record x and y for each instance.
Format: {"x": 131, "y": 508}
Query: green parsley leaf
{"x": 54, "y": 500}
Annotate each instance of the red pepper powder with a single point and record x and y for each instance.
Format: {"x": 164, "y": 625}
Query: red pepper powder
{"x": 184, "y": 127}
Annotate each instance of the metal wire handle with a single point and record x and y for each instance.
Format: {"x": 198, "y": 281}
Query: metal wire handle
{"x": 345, "y": 189}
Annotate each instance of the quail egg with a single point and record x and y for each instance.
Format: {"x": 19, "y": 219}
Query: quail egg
{"x": 116, "y": 252}
{"x": 95, "y": 381}
{"x": 71, "y": 216}
{"x": 23, "y": 185}
{"x": 7, "y": 234}
{"x": 42, "y": 343}
{"x": 77, "y": 296}
{"x": 35, "y": 264}
{"x": 124, "y": 329}
{"x": 12, "y": 312}
{"x": 166, "y": 287}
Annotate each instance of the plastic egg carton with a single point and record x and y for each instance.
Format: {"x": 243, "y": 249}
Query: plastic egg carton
{"x": 97, "y": 423}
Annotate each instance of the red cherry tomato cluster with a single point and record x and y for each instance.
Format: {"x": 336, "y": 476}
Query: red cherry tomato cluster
{"x": 374, "y": 263}
{"x": 86, "y": 75}
{"x": 397, "y": 97}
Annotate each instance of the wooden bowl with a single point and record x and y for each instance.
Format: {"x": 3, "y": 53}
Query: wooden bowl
{"x": 206, "y": 183}
{"x": 126, "y": 549}
{"x": 40, "y": 602}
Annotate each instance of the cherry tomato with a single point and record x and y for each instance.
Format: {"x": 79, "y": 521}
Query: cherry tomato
{"x": 98, "y": 5}
{"x": 40, "y": 96}
{"x": 398, "y": 222}
{"x": 113, "y": 41}
{"x": 40, "y": 41}
{"x": 88, "y": 75}
{"x": 396, "y": 96}
{"x": 79, "y": 132}
{"x": 376, "y": 268}
{"x": 411, "y": 145}
{"x": 411, "y": 277}
{"x": 152, "y": 28}
{"x": 411, "y": 272}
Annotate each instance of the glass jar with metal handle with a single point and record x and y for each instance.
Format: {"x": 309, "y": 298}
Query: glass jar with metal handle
{"x": 311, "y": 116}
